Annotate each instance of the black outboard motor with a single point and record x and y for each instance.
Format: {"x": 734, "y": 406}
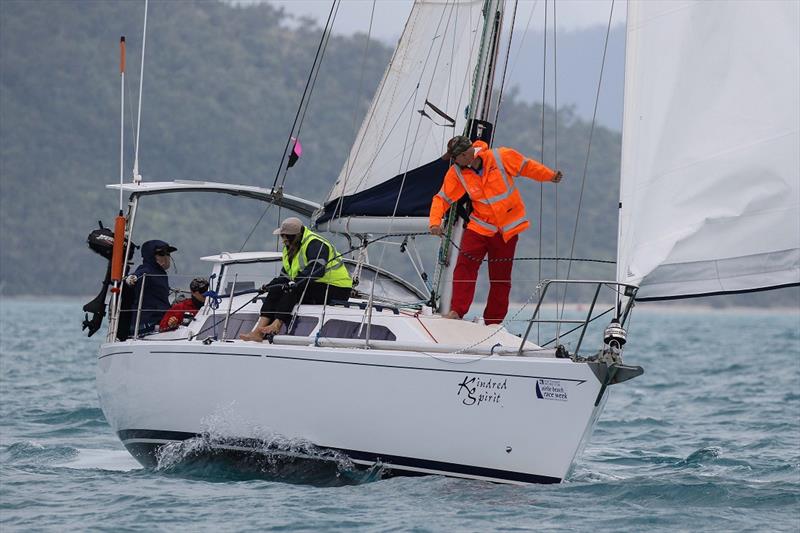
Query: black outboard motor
{"x": 101, "y": 241}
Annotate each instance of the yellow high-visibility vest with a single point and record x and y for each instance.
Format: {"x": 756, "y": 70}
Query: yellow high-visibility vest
{"x": 336, "y": 273}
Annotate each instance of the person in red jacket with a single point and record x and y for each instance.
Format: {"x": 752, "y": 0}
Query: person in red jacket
{"x": 174, "y": 316}
{"x": 497, "y": 218}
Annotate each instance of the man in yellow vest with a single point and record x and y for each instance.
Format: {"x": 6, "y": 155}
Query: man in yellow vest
{"x": 497, "y": 218}
{"x": 312, "y": 271}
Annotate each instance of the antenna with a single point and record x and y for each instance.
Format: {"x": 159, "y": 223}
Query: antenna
{"x": 137, "y": 178}
{"x": 121, "y": 115}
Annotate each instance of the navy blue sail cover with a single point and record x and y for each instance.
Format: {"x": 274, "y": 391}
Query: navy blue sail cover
{"x": 418, "y": 189}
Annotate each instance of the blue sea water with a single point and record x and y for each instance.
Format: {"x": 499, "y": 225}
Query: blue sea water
{"x": 707, "y": 439}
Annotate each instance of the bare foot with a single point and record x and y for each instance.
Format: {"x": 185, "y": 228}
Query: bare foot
{"x": 253, "y": 336}
{"x": 273, "y": 329}
{"x": 453, "y": 315}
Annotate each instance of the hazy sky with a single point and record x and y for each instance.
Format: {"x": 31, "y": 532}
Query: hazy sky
{"x": 390, "y": 15}
{"x": 581, "y": 26}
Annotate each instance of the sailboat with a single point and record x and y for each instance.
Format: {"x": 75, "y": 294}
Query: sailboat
{"x": 383, "y": 382}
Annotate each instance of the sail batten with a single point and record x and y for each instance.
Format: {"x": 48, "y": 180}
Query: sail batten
{"x": 710, "y": 188}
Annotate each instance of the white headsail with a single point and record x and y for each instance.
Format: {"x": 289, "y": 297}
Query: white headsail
{"x": 419, "y": 105}
{"x": 710, "y": 192}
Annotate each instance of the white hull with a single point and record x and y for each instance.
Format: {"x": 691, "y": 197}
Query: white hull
{"x": 523, "y": 420}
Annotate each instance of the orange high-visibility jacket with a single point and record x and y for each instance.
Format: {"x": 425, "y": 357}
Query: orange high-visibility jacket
{"x": 496, "y": 202}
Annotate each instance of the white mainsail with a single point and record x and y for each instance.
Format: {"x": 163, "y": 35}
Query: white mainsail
{"x": 419, "y": 105}
{"x": 710, "y": 192}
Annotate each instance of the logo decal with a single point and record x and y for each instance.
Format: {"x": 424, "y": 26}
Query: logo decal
{"x": 550, "y": 389}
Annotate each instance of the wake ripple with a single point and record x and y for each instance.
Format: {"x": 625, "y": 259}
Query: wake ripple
{"x": 70, "y": 422}
{"x": 33, "y": 453}
{"x": 701, "y": 456}
{"x": 675, "y": 490}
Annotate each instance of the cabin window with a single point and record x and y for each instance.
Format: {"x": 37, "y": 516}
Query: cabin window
{"x": 303, "y": 326}
{"x": 249, "y": 276}
{"x": 243, "y": 323}
{"x": 386, "y": 288}
{"x": 237, "y": 324}
{"x": 345, "y": 329}
{"x": 240, "y": 286}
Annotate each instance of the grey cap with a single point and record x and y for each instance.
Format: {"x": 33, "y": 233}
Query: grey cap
{"x": 456, "y": 146}
{"x": 290, "y": 226}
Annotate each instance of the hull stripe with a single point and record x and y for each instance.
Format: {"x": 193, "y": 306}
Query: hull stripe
{"x": 460, "y": 371}
{"x": 115, "y": 353}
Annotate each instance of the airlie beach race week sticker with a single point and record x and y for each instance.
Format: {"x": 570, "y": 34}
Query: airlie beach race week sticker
{"x": 550, "y": 389}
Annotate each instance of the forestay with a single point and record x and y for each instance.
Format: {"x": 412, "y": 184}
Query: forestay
{"x": 394, "y": 166}
{"x": 710, "y": 167}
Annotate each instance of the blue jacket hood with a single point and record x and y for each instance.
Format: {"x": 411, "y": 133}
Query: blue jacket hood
{"x": 149, "y": 249}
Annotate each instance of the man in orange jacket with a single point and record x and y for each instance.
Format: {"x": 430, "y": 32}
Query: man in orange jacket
{"x": 498, "y": 217}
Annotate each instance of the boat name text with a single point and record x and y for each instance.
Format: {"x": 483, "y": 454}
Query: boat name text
{"x": 474, "y": 390}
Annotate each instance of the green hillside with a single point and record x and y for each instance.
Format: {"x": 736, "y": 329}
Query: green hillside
{"x": 221, "y": 88}
{"x": 222, "y": 85}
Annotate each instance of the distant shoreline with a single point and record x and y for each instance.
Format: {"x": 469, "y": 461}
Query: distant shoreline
{"x": 675, "y": 306}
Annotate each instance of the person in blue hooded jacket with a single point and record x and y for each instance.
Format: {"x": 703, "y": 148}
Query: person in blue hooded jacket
{"x": 152, "y": 273}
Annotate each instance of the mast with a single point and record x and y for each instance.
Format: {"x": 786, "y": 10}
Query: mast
{"x": 477, "y": 127}
{"x": 487, "y": 61}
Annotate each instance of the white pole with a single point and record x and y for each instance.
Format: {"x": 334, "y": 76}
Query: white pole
{"x": 137, "y": 178}
{"x": 121, "y": 115}
{"x": 446, "y": 286}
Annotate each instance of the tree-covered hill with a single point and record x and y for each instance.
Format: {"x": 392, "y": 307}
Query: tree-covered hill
{"x": 222, "y": 84}
{"x": 221, "y": 88}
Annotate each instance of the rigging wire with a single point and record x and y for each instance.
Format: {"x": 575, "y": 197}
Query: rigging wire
{"x": 588, "y": 153}
{"x": 524, "y": 34}
{"x": 409, "y": 28}
{"x": 555, "y": 130}
{"x": 541, "y": 185}
{"x": 326, "y": 35}
{"x": 355, "y": 114}
{"x": 300, "y": 114}
{"x": 309, "y": 87}
{"x": 442, "y": 263}
{"x": 350, "y": 156}
{"x": 253, "y": 229}
{"x": 505, "y": 70}
{"x": 540, "y": 258}
{"x": 484, "y": 260}
{"x": 413, "y": 145}
{"x": 130, "y": 112}
{"x": 473, "y": 97}
{"x": 136, "y": 176}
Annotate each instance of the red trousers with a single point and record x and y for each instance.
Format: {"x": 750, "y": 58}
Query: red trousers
{"x": 473, "y": 249}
